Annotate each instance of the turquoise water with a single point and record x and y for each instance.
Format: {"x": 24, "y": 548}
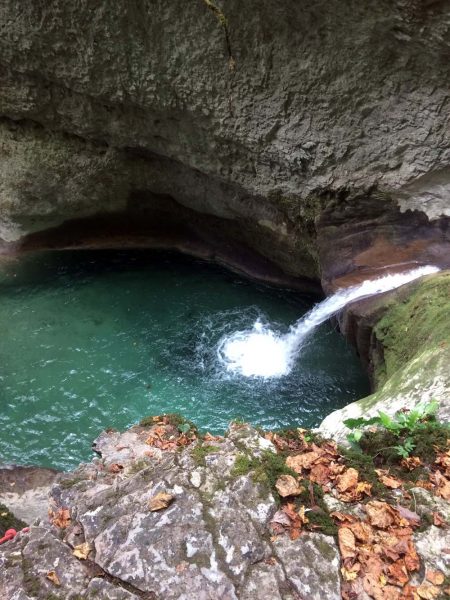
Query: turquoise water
{"x": 100, "y": 339}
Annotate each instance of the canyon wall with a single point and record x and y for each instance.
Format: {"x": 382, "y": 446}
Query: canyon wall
{"x": 311, "y": 136}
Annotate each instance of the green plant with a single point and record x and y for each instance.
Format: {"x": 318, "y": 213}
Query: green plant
{"x": 403, "y": 425}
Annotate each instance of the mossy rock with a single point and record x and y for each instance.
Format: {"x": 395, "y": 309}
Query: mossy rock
{"x": 412, "y": 342}
{"x": 201, "y": 451}
{"x": 416, "y": 324}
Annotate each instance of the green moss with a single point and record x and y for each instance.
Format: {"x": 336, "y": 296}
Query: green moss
{"x": 364, "y": 464}
{"x": 318, "y": 515}
{"x": 201, "y": 451}
{"x": 147, "y": 422}
{"x": 243, "y": 465}
{"x": 138, "y": 466}
{"x": 31, "y": 581}
{"x": 428, "y": 437}
{"x": 426, "y": 521}
{"x": 173, "y": 419}
{"x": 325, "y": 549}
{"x": 417, "y": 323}
{"x": 411, "y": 343}
{"x": 380, "y": 444}
{"x": 431, "y": 438}
{"x": 271, "y": 467}
{"x": 69, "y": 482}
{"x": 378, "y": 449}
{"x": 9, "y": 521}
{"x": 265, "y": 469}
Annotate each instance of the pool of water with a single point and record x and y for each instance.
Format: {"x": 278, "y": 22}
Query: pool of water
{"x": 96, "y": 339}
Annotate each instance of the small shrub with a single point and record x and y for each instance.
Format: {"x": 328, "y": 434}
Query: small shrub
{"x": 404, "y": 426}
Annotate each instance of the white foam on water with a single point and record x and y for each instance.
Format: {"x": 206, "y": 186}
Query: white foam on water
{"x": 262, "y": 352}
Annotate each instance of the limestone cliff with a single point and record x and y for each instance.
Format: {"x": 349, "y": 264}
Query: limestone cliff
{"x": 303, "y": 132}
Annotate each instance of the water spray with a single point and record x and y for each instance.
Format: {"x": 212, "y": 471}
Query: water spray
{"x": 262, "y": 352}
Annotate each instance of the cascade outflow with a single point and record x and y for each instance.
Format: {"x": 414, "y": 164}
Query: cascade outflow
{"x": 262, "y": 352}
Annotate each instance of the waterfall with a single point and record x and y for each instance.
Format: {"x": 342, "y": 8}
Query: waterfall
{"x": 262, "y": 352}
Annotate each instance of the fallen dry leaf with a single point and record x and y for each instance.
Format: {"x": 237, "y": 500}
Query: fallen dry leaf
{"x": 299, "y": 462}
{"x": 349, "y": 488}
{"x": 410, "y": 463}
{"x": 297, "y": 519}
{"x": 380, "y": 514}
{"x": 363, "y": 532}
{"x": 53, "y": 577}
{"x": 208, "y": 437}
{"x": 320, "y": 474}
{"x": 302, "y": 515}
{"x": 160, "y": 501}
{"x": 115, "y": 468}
{"x": 61, "y": 518}
{"x": 426, "y": 485}
{"x": 428, "y": 591}
{"x": 388, "y": 480}
{"x": 82, "y": 550}
{"x": 444, "y": 490}
{"x": 363, "y": 487}
{"x": 436, "y": 577}
{"x": 412, "y": 561}
{"x": 288, "y": 486}
{"x": 443, "y": 459}
{"x": 442, "y": 485}
{"x": 409, "y": 593}
{"x": 389, "y": 593}
{"x": 439, "y": 520}
{"x": 398, "y": 572}
{"x": 350, "y": 574}
{"x": 343, "y": 517}
{"x": 281, "y": 518}
{"x": 347, "y": 480}
{"x": 372, "y": 585}
{"x": 347, "y": 543}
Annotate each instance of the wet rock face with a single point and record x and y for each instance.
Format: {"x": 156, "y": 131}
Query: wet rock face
{"x": 212, "y": 541}
{"x": 257, "y": 117}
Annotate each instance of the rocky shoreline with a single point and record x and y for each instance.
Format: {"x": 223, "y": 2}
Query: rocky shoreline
{"x": 219, "y": 531}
